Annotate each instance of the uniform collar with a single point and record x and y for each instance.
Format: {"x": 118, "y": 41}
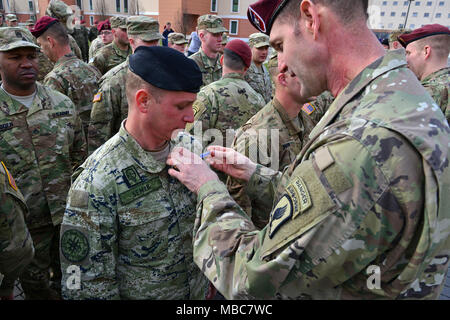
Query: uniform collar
{"x": 292, "y": 125}
{"x": 11, "y": 106}
{"x": 121, "y": 53}
{"x": 66, "y": 57}
{"x": 437, "y": 74}
{"x": 207, "y": 61}
{"x": 233, "y": 75}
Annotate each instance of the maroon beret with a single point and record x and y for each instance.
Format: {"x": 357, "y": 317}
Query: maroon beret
{"x": 262, "y": 14}
{"x": 42, "y": 25}
{"x": 241, "y": 49}
{"x": 425, "y": 31}
{"x": 104, "y": 25}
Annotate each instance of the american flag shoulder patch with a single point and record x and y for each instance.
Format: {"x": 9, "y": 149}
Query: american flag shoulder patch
{"x": 308, "y": 108}
{"x": 97, "y": 97}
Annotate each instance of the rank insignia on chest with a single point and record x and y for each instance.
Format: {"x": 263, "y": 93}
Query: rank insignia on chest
{"x": 11, "y": 180}
{"x": 97, "y": 97}
{"x": 308, "y": 108}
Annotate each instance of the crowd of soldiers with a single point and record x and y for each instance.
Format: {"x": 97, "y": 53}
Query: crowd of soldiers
{"x": 134, "y": 170}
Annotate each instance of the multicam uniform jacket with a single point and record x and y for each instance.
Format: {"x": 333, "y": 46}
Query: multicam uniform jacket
{"x": 77, "y": 80}
{"x": 128, "y": 226}
{"x": 272, "y": 139}
{"x": 369, "y": 190}
{"x": 109, "y": 56}
{"x": 110, "y": 107}
{"x": 16, "y": 245}
{"x": 211, "y": 69}
{"x": 260, "y": 81}
{"x": 41, "y": 146}
{"x": 438, "y": 85}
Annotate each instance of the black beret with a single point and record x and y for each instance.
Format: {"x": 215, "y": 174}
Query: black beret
{"x": 166, "y": 68}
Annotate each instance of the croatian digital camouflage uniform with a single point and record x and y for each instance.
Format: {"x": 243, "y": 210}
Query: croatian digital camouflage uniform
{"x": 211, "y": 68}
{"x": 369, "y": 189}
{"x": 77, "y": 80}
{"x": 110, "y": 105}
{"x": 128, "y": 225}
{"x": 111, "y": 55}
{"x": 438, "y": 85}
{"x": 272, "y": 139}
{"x": 16, "y": 245}
{"x": 259, "y": 78}
{"x": 224, "y": 104}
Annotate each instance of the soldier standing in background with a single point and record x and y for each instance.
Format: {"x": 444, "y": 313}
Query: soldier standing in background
{"x": 257, "y": 75}
{"x": 110, "y": 106}
{"x": 11, "y": 20}
{"x": 41, "y": 142}
{"x": 224, "y": 42}
{"x": 427, "y": 51}
{"x": 80, "y": 34}
{"x": 16, "y": 245}
{"x": 394, "y": 44}
{"x": 177, "y": 41}
{"x": 70, "y": 76}
{"x": 117, "y": 51}
{"x": 368, "y": 194}
{"x": 93, "y": 31}
{"x": 61, "y": 11}
{"x": 123, "y": 206}
{"x": 104, "y": 38}
{"x": 210, "y": 30}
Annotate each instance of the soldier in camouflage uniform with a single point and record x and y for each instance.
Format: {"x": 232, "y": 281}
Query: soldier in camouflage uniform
{"x": 177, "y": 41}
{"x": 257, "y": 75}
{"x": 116, "y": 52}
{"x": 427, "y": 50}
{"x": 210, "y": 30}
{"x": 274, "y": 136}
{"x": 228, "y": 103}
{"x": 70, "y": 76}
{"x": 110, "y": 106}
{"x": 80, "y": 34}
{"x": 61, "y": 11}
{"x": 104, "y": 38}
{"x": 11, "y": 20}
{"x": 16, "y": 245}
{"x": 41, "y": 142}
{"x": 363, "y": 211}
{"x": 124, "y": 207}
{"x": 394, "y": 44}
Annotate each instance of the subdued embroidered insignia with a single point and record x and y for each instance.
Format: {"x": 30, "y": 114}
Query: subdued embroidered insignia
{"x": 302, "y": 193}
{"x": 131, "y": 176}
{"x": 140, "y": 190}
{"x": 6, "y": 126}
{"x": 11, "y": 180}
{"x": 74, "y": 245}
{"x": 97, "y": 97}
{"x": 281, "y": 214}
{"x": 308, "y": 108}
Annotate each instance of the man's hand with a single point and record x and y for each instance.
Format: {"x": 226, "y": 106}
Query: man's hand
{"x": 189, "y": 169}
{"x": 231, "y": 162}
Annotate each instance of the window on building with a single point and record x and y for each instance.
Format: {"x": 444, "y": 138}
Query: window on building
{"x": 91, "y": 20}
{"x": 405, "y": 3}
{"x": 31, "y": 5}
{"x": 117, "y": 5}
{"x": 438, "y": 15}
{"x": 91, "y": 6}
{"x": 235, "y": 6}
{"x": 125, "y": 6}
{"x": 429, "y": 3}
{"x": 390, "y": 25}
{"x": 382, "y": 13}
{"x": 441, "y": 3}
{"x": 392, "y": 14}
{"x": 1, "y": 5}
{"x": 395, "y": 3}
{"x": 234, "y": 24}
{"x": 213, "y": 5}
{"x": 415, "y": 14}
{"x": 79, "y": 4}
{"x": 384, "y": 3}
{"x": 33, "y": 17}
{"x": 400, "y": 26}
{"x": 403, "y": 14}
{"x": 417, "y": 3}
{"x": 426, "y": 15}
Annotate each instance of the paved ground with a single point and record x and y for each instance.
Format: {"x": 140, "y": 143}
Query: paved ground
{"x": 18, "y": 293}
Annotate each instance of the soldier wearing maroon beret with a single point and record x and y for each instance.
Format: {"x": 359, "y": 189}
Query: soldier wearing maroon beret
{"x": 362, "y": 212}
{"x": 427, "y": 51}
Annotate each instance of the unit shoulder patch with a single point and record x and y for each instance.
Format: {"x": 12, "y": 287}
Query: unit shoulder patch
{"x": 74, "y": 245}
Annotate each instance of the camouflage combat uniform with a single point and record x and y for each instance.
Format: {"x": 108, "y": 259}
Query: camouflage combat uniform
{"x": 110, "y": 107}
{"x": 77, "y": 80}
{"x": 211, "y": 68}
{"x": 272, "y": 139}
{"x": 438, "y": 85}
{"x": 80, "y": 34}
{"x": 110, "y": 56}
{"x": 224, "y": 104}
{"x": 40, "y": 146}
{"x": 369, "y": 189}
{"x": 133, "y": 226}
{"x": 96, "y": 44}
{"x": 16, "y": 245}
{"x": 259, "y": 80}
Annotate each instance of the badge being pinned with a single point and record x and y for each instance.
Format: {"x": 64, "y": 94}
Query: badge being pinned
{"x": 97, "y": 97}
{"x": 281, "y": 214}
{"x": 308, "y": 108}
{"x": 11, "y": 180}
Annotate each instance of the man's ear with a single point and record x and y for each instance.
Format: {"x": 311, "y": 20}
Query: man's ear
{"x": 281, "y": 77}
{"x": 427, "y": 52}
{"x": 310, "y": 16}
{"x": 142, "y": 98}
